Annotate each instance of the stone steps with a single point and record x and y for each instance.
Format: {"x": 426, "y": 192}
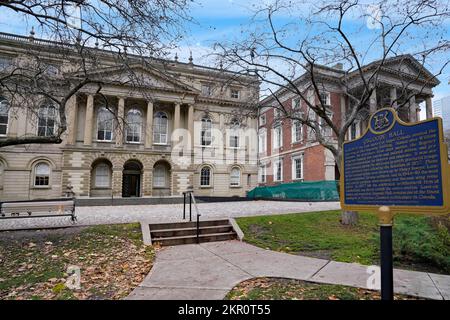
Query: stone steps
{"x": 171, "y": 234}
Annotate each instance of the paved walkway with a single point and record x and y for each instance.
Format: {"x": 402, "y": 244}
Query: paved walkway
{"x": 211, "y": 270}
{"x": 168, "y": 213}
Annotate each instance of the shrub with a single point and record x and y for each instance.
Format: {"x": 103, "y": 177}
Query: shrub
{"x": 417, "y": 240}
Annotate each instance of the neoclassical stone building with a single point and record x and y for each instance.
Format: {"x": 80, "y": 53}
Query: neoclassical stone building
{"x": 289, "y": 151}
{"x": 180, "y": 126}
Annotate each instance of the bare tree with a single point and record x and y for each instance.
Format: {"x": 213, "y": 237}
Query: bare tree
{"x": 78, "y": 37}
{"x": 293, "y": 44}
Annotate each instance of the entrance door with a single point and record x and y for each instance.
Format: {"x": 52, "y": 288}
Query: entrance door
{"x": 131, "y": 179}
{"x": 131, "y": 185}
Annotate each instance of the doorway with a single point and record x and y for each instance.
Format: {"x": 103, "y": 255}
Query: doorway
{"x": 131, "y": 179}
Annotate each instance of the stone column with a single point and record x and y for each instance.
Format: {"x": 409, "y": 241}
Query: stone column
{"x": 149, "y": 126}
{"x": 89, "y": 120}
{"x": 393, "y": 96}
{"x": 176, "y": 123}
{"x": 71, "y": 108}
{"x": 373, "y": 102}
{"x": 343, "y": 108}
{"x": 429, "y": 107}
{"x": 191, "y": 124}
{"x": 412, "y": 109}
{"x": 120, "y": 132}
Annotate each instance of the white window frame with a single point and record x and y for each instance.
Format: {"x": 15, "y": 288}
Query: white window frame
{"x": 275, "y": 170}
{"x": 160, "y": 176}
{"x": 43, "y": 175}
{"x": 209, "y": 177}
{"x": 46, "y": 107}
{"x": 234, "y": 134}
{"x": 324, "y": 126}
{"x": 295, "y": 124}
{"x": 296, "y": 103}
{"x": 161, "y": 133}
{"x": 262, "y": 141}
{"x": 206, "y": 127}
{"x": 135, "y": 133}
{"x": 277, "y": 137}
{"x": 262, "y": 119}
{"x": 294, "y": 168}
{"x": 262, "y": 174}
{"x": 235, "y": 94}
{"x": 4, "y": 103}
{"x": 107, "y": 176}
{"x": 328, "y": 97}
{"x": 357, "y": 130}
{"x": 238, "y": 184}
{"x": 111, "y": 126}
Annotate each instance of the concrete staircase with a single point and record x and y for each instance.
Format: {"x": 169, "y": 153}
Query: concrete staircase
{"x": 171, "y": 234}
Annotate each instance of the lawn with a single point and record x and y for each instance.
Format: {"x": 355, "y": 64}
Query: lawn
{"x": 420, "y": 243}
{"x": 34, "y": 264}
{"x": 288, "y": 289}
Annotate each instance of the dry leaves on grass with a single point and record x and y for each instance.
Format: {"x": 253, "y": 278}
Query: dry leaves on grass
{"x": 111, "y": 266}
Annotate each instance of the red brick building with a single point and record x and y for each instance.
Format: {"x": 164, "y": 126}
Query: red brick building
{"x": 290, "y": 152}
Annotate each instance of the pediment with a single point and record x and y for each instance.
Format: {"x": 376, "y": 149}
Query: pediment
{"x": 141, "y": 76}
{"x": 407, "y": 65}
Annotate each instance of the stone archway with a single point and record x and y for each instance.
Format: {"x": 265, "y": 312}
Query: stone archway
{"x": 132, "y": 179}
{"x": 162, "y": 176}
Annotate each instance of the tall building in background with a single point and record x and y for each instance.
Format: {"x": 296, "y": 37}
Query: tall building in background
{"x": 441, "y": 108}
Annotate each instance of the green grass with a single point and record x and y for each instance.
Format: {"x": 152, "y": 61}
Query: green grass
{"x": 289, "y": 289}
{"x": 417, "y": 243}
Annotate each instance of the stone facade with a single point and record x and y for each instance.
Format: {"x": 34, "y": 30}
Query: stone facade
{"x": 179, "y": 99}
{"x": 317, "y": 162}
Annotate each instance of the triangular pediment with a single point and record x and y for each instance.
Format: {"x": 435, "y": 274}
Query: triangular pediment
{"x": 141, "y": 76}
{"x": 407, "y": 65}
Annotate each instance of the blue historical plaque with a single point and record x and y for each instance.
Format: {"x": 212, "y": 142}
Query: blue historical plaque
{"x": 396, "y": 164}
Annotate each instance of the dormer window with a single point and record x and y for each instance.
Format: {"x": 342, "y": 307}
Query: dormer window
{"x": 235, "y": 94}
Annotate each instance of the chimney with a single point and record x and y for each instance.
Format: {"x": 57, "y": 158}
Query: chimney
{"x": 338, "y": 66}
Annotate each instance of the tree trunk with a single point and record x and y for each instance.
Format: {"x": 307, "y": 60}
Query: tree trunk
{"x": 349, "y": 218}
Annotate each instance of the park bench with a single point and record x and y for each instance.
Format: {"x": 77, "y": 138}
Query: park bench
{"x": 38, "y": 208}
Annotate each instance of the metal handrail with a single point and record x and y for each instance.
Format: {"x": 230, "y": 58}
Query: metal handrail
{"x": 192, "y": 199}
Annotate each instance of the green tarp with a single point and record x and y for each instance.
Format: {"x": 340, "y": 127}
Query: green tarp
{"x": 306, "y": 191}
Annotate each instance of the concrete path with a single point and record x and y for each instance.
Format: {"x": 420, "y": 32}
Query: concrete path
{"x": 211, "y": 270}
{"x": 168, "y": 213}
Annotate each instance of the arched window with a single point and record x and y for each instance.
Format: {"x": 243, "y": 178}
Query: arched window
{"x": 205, "y": 177}
{"x": 42, "y": 174}
{"x": 134, "y": 125}
{"x": 102, "y": 175}
{"x": 206, "y": 136}
{"x": 159, "y": 176}
{"x": 4, "y": 115}
{"x": 235, "y": 177}
{"x": 160, "y": 128}
{"x": 105, "y": 124}
{"x": 234, "y": 134}
{"x": 46, "y": 120}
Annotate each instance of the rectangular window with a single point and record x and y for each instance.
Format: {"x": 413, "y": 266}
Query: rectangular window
{"x": 297, "y": 168}
{"x": 3, "y": 123}
{"x": 102, "y": 176}
{"x": 262, "y": 141}
{"x": 262, "y": 119}
{"x": 325, "y": 98}
{"x": 234, "y": 94}
{"x": 277, "y": 137}
{"x": 206, "y": 90}
{"x": 297, "y": 132}
{"x": 262, "y": 174}
{"x": 295, "y": 103}
{"x": 354, "y": 131}
{"x": 278, "y": 170}
{"x": 324, "y": 127}
{"x": 234, "y": 141}
{"x": 206, "y": 133}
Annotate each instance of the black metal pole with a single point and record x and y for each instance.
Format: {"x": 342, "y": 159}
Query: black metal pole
{"x": 387, "y": 267}
{"x": 184, "y": 205}
{"x": 198, "y": 228}
{"x": 190, "y": 207}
